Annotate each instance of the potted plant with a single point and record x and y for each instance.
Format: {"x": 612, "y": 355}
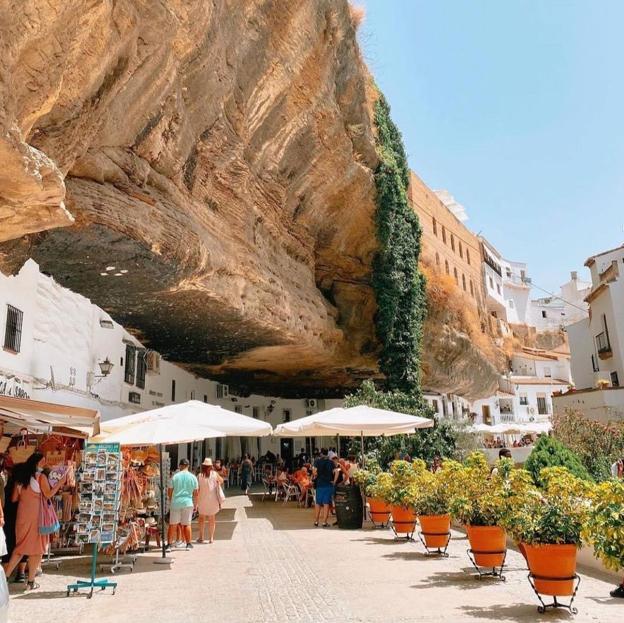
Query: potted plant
{"x": 604, "y": 526}
{"x": 478, "y": 504}
{"x": 549, "y": 522}
{"x": 396, "y": 490}
{"x": 378, "y": 508}
{"x": 431, "y": 498}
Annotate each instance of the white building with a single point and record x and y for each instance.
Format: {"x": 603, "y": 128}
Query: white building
{"x": 54, "y": 341}
{"x": 597, "y": 342}
{"x": 526, "y": 393}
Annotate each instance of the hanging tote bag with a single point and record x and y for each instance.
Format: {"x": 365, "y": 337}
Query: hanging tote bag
{"x": 48, "y": 521}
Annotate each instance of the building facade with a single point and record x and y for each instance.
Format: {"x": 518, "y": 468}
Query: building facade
{"x": 447, "y": 243}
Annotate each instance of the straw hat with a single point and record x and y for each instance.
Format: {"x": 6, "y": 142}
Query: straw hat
{"x": 207, "y": 462}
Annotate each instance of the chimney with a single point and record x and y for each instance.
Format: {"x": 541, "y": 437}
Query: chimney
{"x": 574, "y": 275}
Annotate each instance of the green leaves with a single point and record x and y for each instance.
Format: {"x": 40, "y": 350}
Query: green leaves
{"x": 398, "y": 283}
{"x": 550, "y": 452}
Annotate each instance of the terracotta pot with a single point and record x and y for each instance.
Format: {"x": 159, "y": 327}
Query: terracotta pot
{"x": 554, "y": 561}
{"x": 379, "y": 511}
{"x": 403, "y": 519}
{"x": 435, "y": 530}
{"x": 484, "y": 539}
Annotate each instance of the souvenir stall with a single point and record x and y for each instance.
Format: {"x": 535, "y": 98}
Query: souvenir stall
{"x": 58, "y": 432}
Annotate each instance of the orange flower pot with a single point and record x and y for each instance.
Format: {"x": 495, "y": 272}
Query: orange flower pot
{"x": 379, "y": 511}
{"x": 403, "y": 519}
{"x": 435, "y": 530}
{"x": 484, "y": 539}
{"x": 554, "y": 561}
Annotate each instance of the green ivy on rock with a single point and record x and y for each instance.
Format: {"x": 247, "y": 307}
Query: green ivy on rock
{"x": 397, "y": 281}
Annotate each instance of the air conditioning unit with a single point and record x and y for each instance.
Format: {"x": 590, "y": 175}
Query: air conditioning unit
{"x": 152, "y": 359}
{"x": 310, "y": 403}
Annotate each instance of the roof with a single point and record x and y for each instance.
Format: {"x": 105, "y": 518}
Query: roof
{"x": 590, "y": 260}
{"x": 538, "y": 354}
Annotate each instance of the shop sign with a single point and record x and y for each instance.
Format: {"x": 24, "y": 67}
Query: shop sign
{"x": 13, "y": 387}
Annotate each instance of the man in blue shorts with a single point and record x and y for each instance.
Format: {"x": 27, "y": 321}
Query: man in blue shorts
{"x": 323, "y": 476}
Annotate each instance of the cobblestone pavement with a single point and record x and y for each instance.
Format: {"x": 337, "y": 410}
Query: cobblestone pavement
{"x": 269, "y": 564}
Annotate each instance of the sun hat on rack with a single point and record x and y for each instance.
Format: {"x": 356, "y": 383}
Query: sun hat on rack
{"x": 207, "y": 462}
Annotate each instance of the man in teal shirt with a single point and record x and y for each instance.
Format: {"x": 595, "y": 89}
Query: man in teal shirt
{"x": 182, "y": 502}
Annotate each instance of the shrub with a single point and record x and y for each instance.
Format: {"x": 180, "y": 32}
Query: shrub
{"x": 605, "y": 523}
{"x": 432, "y": 492}
{"x": 549, "y": 452}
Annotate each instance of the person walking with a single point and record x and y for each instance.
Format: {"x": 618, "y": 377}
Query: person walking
{"x": 209, "y": 500}
{"x": 323, "y": 476}
{"x": 617, "y": 469}
{"x": 32, "y": 488}
{"x": 246, "y": 474}
{"x": 182, "y": 502}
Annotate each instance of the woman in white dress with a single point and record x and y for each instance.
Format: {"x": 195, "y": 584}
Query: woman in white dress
{"x": 209, "y": 500}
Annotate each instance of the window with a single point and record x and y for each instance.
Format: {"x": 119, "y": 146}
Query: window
{"x": 464, "y": 282}
{"x": 542, "y": 407}
{"x": 615, "y": 382}
{"x": 130, "y": 364}
{"x": 134, "y": 398}
{"x": 511, "y": 304}
{"x": 595, "y": 366}
{"x": 238, "y": 409}
{"x": 435, "y": 227}
{"x": 456, "y": 276}
{"x": 468, "y": 255}
{"x": 446, "y": 265}
{"x": 491, "y": 283}
{"x": 543, "y": 313}
{"x": 192, "y": 394}
{"x": 443, "y": 234}
{"x": 547, "y": 372}
{"x": 205, "y": 397}
{"x": 173, "y": 390}
{"x": 222, "y": 391}
{"x": 141, "y": 368}
{"x": 434, "y": 405}
{"x": 524, "y": 400}
{"x": 461, "y": 250}
{"x": 452, "y": 242}
{"x": 13, "y": 331}
{"x": 437, "y": 259}
{"x": 255, "y": 412}
{"x": 498, "y": 288}
{"x": 286, "y": 415}
{"x": 471, "y": 288}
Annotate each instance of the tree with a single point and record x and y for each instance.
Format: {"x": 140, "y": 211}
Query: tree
{"x": 550, "y": 452}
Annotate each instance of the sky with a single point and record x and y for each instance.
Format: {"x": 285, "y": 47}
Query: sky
{"x": 516, "y": 108}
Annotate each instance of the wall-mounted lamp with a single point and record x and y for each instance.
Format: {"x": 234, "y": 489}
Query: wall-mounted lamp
{"x": 106, "y": 367}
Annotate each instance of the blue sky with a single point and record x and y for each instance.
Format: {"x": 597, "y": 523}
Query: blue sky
{"x": 516, "y": 108}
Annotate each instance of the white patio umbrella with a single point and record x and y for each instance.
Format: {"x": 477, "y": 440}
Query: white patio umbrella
{"x": 362, "y": 420}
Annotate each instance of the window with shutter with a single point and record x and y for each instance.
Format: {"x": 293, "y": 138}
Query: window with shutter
{"x": 13, "y": 330}
{"x": 141, "y": 368}
{"x": 130, "y": 364}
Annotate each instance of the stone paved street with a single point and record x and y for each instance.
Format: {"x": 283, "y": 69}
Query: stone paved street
{"x": 271, "y": 565}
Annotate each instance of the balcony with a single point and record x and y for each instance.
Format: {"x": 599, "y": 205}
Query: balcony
{"x": 603, "y": 346}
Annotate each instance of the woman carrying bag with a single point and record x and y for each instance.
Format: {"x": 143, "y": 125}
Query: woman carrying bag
{"x": 209, "y": 500}
{"x": 36, "y": 518}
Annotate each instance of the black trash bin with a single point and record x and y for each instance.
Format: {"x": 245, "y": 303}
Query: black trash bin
{"x": 349, "y": 507}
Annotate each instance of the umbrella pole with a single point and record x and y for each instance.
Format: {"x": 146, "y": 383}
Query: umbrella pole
{"x": 163, "y": 560}
{"x": 362, "y": 446}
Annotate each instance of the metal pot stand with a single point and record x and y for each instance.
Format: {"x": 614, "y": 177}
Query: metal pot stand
{"x": 435, "y": 551}
{"x": 497, "y": 572}
{"x": 407, "y": 536}
{"x": 555, "y": 603}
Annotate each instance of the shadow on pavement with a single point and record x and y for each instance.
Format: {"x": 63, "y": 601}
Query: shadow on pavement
{"x": 414, "y": 555}
{"x": 462, "y": 580}
{"x": 390, "y": 540}
{"x": 513, "y": 612}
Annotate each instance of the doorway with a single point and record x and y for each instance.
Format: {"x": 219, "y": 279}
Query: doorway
{"x": 287, "y": 446}
{"x": 485, "y": 410}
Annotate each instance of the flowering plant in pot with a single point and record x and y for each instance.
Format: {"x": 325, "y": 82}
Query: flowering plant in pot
{"x": 549, "y": 523}
{"x": 398, "y": 492}
{"x": 478, "y": 503}
{"x": 431, "y": 499}
{"x": 374, "y": 490}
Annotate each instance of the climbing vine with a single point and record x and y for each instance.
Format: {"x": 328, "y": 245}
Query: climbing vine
{"x": 398, "y": 283}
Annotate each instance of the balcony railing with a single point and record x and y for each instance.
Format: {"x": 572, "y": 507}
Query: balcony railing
{"x": 603, "y": 345}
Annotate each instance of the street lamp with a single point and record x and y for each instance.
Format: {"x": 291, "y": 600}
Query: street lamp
{"x": 106, "y": 367}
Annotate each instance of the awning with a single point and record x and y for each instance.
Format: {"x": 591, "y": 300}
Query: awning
{"x": 47, "y": 417}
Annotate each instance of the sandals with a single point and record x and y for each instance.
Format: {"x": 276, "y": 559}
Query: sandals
{"x": 316, "y": 524}
{"x": 325, "y": 525}
{"x": 31, "y": 586}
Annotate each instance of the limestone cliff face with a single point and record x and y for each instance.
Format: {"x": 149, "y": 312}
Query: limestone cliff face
{"x": 202, "y": 169}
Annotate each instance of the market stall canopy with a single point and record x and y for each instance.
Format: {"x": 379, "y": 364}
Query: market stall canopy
{"x": 194, "y": 412}
{"x": 353, "y": 421}
{"x": 510, "y": 428}
{"x": 40, "y": 416}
